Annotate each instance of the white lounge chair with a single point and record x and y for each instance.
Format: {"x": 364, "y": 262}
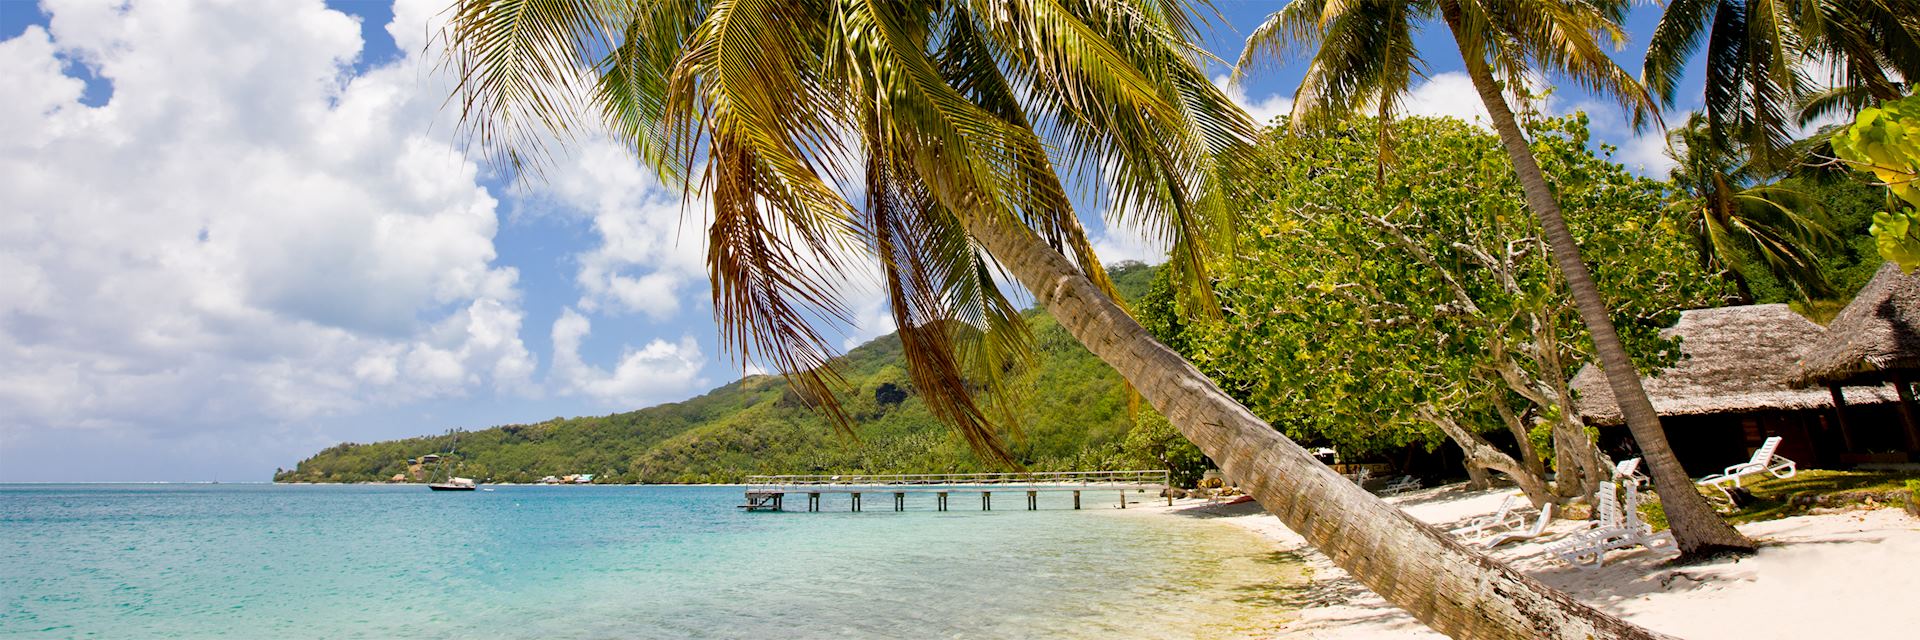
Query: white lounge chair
{"x": 1628, "y": 472}
{"x": 1506, "y": 517}
{"x": 1400, "y": 485}
{"x": 1648, "y": 538}
{"x": 1606, "y": 511}
{"x": 1588, "y": 549}
{"x": 1360, "y": 477}
{"x": 1763, "y": 461}
{"x": 1539, "y": 527}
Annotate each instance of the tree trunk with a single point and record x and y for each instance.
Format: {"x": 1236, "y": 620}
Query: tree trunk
{"x": 1455, "y": 590}
{"x": 1529, "y": 455}
{"x": 1478, "y": 477}
{"x": 1483, "y": 454}
{"x": 1698, "y": 530}
{"x": 1594, "y": 465}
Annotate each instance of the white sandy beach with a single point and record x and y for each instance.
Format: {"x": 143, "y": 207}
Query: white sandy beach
{"x": 1847, "y": 574}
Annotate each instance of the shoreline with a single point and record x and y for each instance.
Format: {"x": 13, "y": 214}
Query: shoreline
{"x": 1806, "y": 561}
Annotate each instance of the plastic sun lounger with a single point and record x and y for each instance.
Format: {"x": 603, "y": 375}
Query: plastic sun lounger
{"x": 1764, "y": 461}
{"x": 1401, "y": 485}
{"x": 1648, "y": 538}
{"x": 1628, "y": 472}
{"x": 1588, "y": 549}
{"x": 1539, "y": 527}
{"x": 1503, "y": 519}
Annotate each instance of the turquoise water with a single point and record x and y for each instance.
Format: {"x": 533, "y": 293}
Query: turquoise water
{"x": 262, "y": 561}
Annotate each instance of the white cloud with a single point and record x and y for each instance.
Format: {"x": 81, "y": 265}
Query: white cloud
{"x": 659, "y": 371}
{"x": 1120, "y": 241}
{"x": 1449, "y": 94}
{"x": 651, "y": 256}
{"x": 1262, "y": 111}
{"x": 1646, "y": 153}
{"x": 244, "y": 232}
{"x": 871, "y": 313}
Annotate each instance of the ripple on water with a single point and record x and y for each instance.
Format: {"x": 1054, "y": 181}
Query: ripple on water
{"x": 240, "y": 561}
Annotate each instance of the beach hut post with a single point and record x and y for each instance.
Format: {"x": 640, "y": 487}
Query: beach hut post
{"x": 1908, "y": 417}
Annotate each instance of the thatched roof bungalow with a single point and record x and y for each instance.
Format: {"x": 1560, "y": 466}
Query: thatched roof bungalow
{"x": 1875, "y": 340}
{"x": 1875, "y": 336}
{"x": 1731, "y": 390}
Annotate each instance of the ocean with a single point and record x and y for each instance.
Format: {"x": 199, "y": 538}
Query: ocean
{"x": 371, "y": 561}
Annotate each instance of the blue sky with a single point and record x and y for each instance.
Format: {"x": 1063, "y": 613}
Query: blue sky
{"x": 238, "y": 232}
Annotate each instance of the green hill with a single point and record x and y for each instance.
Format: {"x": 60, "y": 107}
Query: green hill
{"x": 1075, "y": 418}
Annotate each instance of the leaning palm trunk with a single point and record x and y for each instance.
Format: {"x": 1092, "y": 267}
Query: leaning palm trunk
{"x": 1455, "y": 590}
{"x": 1696, "y": 528}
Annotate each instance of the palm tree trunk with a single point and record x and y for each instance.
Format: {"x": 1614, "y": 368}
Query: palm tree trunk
{"x": 1455, "y": 590}
{"x": 1699, "y": 531}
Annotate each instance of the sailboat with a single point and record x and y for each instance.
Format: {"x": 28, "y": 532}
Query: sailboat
{"x": 454, "y": 483}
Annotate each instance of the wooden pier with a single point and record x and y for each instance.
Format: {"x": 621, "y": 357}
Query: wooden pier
{"x": 769, "y": 493}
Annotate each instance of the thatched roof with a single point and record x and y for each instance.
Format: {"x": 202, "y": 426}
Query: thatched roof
{"x": 1879, "y": 331}
{"x": 1736, "y": 359}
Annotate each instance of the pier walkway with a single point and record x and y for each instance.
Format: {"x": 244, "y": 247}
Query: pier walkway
{"x": 768, "y": 493}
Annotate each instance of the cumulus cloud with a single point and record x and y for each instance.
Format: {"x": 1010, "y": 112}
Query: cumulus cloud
{"x": 1121, "y": 241}
{"x": 651, "y": 254}
{"x": 244, "y": 231}
{"x": 1646, "y": 154}
{"x": 1449, "y": 94}
{"x": 659, "y": 371}
{"x": 1444, "y": 94}
{"x": 1264, "y": 110}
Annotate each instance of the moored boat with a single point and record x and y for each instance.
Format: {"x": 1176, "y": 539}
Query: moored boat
{"x": 445, "y": 463}
{"x": 454, "y": 484}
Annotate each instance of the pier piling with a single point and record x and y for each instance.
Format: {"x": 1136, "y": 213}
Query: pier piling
{"x": 768, "y": 493}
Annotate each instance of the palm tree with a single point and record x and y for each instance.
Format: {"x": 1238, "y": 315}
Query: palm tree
{"x": 1732, "y": 216}
{"x": 928, "y": 136}
{"x": 1764, "y": 63}
{"x": 1364, "y": 55}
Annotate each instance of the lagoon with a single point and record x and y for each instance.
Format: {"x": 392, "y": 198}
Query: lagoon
{"x": 371, "y": 561}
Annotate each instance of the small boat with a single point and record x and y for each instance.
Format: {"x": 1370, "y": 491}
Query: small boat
{"x": 454, "y": 484}
{"x": 445, "y": 463}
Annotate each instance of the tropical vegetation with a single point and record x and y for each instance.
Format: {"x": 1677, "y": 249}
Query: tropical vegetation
{"x": 1775, "y": 66}
{"x": 1364, "y": 55}
{"x": 1370, "y": 309}
{"x": 1738, "y": 217}
{"x": 1885, "y": 141}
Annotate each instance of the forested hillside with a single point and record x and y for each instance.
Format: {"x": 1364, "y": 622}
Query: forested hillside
{"x": 1075, "y": 417}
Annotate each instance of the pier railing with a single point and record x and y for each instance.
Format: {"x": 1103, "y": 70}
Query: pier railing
{"x": 1058, "y": 480}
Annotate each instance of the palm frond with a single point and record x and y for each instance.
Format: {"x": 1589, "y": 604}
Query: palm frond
{"x": 1675, "y": 38}
{"x": 522, "y": 69}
